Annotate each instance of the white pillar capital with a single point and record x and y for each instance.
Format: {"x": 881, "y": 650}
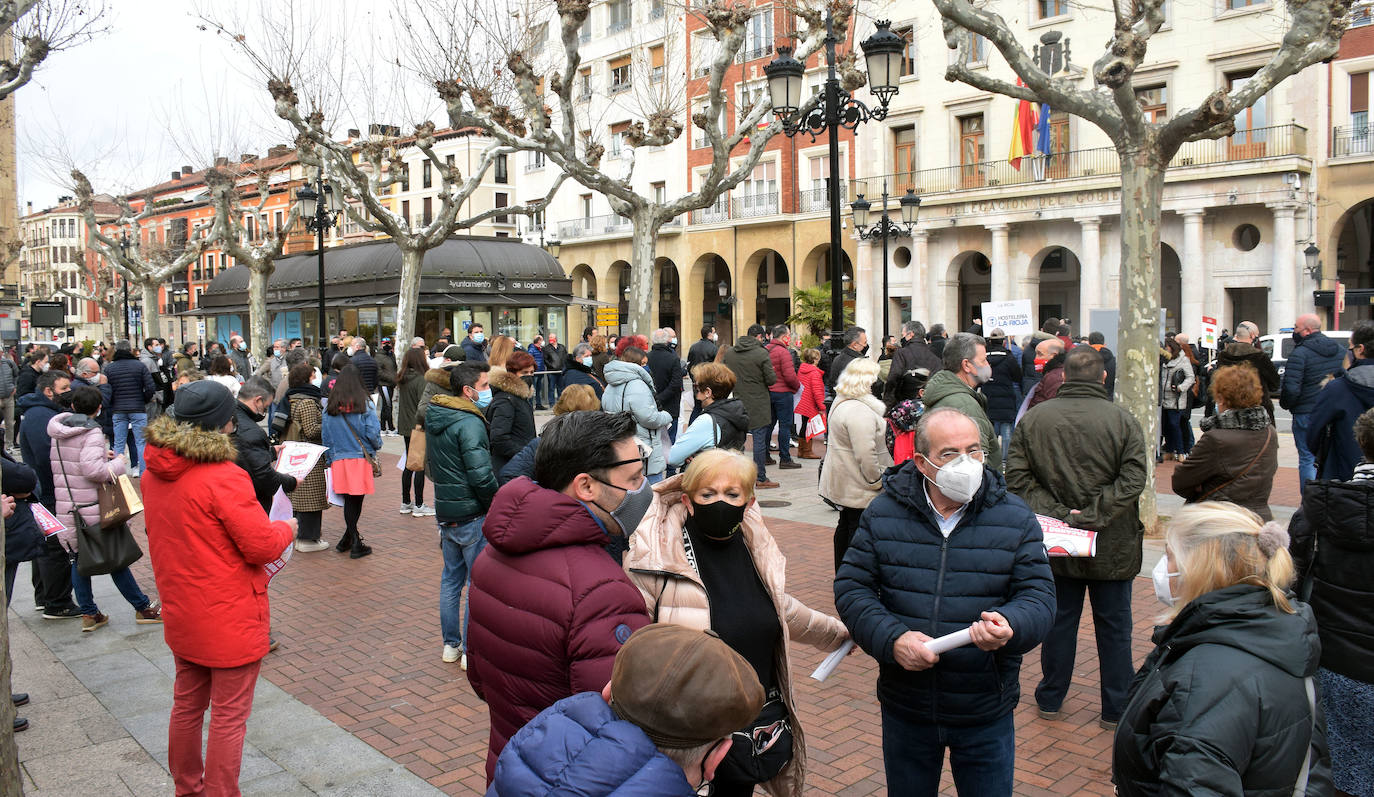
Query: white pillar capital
{"x": 1089, "y": 222}
{"x": 1192, "y": 213}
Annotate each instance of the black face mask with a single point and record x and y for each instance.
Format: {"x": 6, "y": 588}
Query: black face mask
{"x": 1297, "y": 337}
{"x": 64, "y": 399}
{"x": 718, "y": 520}
{"x": 864, "y": 350}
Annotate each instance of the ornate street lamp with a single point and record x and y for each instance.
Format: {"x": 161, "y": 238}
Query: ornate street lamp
{"x": 885, "y": 228}
{"x": 1314, "y": 263}
{"x": 554, "y": 246}
{"x": 836, "y": 109}
{"x": 320, "y": 206}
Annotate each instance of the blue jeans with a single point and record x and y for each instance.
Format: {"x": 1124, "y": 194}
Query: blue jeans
{"x": 1111, "y": 602}
{"x": 760, "y": 436}
{"x": 461, "y": 542}
{"x": 981, "y": 757}
{"x": 782, "y": 418}
{"x": 1173, "y": 431}
{"x": 124, "y": 423}
{"x": 123, "y": 581}
{"x": 1307, "y": 464}
{"x": 1004, "y": 430}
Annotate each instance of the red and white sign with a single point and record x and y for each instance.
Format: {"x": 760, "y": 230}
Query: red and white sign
{"x": 23, "y": 323}
{"x": 1208, "y": 338}
{"x": 1061, "y": 539}
{"x": 1340, "y": 297}
{"x": 47, "y": 522}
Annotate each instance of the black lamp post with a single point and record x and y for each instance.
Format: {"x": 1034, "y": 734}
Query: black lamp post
{"x": 320, "y": 207}
{"x": 885, "y": 228}
{"x": 883, "y": 52}
{"x": 1314, "y": 264}
{"x": 124, "y": 252}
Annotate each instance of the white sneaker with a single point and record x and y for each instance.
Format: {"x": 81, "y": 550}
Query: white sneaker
{"x": 311, "y": 546}
{"x": 463, "y": 663}
{"x": 407, "y": 509}
{"x": 421, "y": 510}
{"x": 451, "y": 654}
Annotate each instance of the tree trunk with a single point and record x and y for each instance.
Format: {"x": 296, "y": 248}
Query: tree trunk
{"x": 152, "y": 313}
{"x": 257, "y": 308}
{"x": 11, "y": 783}
{"x": 643, "y": 252}
{"x": 1137, "y": 382}
{"x": 412, "y": 261}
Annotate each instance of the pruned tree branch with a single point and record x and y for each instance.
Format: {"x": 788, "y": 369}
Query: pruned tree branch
{"x": 41, "y": 28}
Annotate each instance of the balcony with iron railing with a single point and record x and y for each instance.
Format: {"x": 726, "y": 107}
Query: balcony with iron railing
{"x": 1352, "y": 141}
{"x": 620, "y": 86}
{"x": 747, "y": 53}
{"x": 1255, "y": 144}
{"x": 718, "y": 212}
{"x": 609, "y": 224}
{"x": 752, "y": 206}
{"x": 812, "y": 200}
{"x": 618, "y": 25}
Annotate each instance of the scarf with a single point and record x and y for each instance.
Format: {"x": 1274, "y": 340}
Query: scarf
{"x": 1254, "y": 419}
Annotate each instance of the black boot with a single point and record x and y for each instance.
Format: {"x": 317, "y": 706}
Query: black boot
{"x": 346, "y": 541}
{"x": 359, "y": 549}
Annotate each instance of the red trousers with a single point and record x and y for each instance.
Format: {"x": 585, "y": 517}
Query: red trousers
{"x": 228, "y": 693}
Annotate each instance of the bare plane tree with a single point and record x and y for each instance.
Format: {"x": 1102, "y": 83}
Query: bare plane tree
{"x": 1312, "y": 35}
{"x": 40, "y": 28}
{"x": 532, "y": 124}
{"x": 144, "y": 265}
{"x": 228, "y": 231}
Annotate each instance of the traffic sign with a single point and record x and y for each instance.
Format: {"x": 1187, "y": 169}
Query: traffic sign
{"x": 608, "y": 316}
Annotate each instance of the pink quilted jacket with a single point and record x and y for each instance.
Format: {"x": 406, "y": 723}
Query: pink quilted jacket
{"x": 78, "y": 446}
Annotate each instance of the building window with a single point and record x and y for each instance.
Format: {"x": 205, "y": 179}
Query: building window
{"x": 620, "y": 74}
{"x": 210, "y": 267}
{"x": 405, "y": 211}
{"x": 656, "y": 9}
{"x": 619, "y": 11}
{"x": 1154, "y": 101}
{"x": 974, "y": 50}
{"x": 502, "y": 200}
{"x": 502, "y": 176}
{"x": 586, "y": 207}
{"x": 584, "y": 84}
{"x": 1235, "y": 5}
{"x": 971, "y": 150}
{"x": 656, "y": 63}
{"x": 1361, "y": 13}
{"x": 276, "y": 221}
{"x": 704, "y": 47}
{"x": 449, "y": 162}
{"x": 618, "y": 142}
{"x": 536, "y": 161}
{"x": 750, "y": 96}
{"x": 428, "y": 211}
{"x": 758, "y": 36}
{"x": 1052, "y": 8}
{"x": 904, "y": 158}
{"x": 908, "y": 35}
{"x": 660, "y": 193}
{"x": 1060, "y": 145}
{"x": 1251, "y": 124}
{"x": 405, "y": 176}
{"x": 426, "y": 174}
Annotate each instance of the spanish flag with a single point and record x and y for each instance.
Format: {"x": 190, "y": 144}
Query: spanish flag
{"x": 1022, "y": 132}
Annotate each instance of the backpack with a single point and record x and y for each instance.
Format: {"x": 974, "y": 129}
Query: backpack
{"x": 903, "y": 444}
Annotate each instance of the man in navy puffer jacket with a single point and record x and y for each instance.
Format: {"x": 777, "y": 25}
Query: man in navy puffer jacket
{"x": 131, "y": 388}
{"x": 664, "y": 722}
{"x": 946, "y": 548}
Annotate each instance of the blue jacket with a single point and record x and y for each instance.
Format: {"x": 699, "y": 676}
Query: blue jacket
{"x": 106, "y": 417}
{"x": 341, "y": 442}
{"x": 579, "y": 746}
{"x": 1331, "y": 425}
{"x": 1312, "y": 360}
{"x": 900, "y": 574}
{"x": 538, "y": 354}
{"x": 579, "y": 374}
{"x": 23, "y": 538}
{"x": 475, "y": 352}
{"x": 521, "y": 464}
{"x": 131, "y": 386}
{"x": 35, "y": 442}
{"x": 367, "y": 368}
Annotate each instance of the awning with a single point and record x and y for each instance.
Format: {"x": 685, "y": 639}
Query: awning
{"x": 586, "y": 302}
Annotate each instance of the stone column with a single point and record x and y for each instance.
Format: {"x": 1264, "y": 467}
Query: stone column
{"x": 1001, "y": 266}
{"x": 1091, "y": 281}
{"x": 920, "y": 252}
{"x": 935, "y": 289}
{"x": 867, "y": 284}
{"x": 1283, "y": 277}
{"x": 1195, "y": 275}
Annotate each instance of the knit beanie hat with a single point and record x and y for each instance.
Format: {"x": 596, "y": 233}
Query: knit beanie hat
{"x": 206, "y": 404}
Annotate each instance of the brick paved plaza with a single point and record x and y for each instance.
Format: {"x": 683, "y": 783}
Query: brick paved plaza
{"x": 360, "y": 645}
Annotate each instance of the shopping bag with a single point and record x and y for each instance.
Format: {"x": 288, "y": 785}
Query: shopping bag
{"x": 119, "y": 501}
{"x": 816, "y": 426}
{"x": 415, "y": 452}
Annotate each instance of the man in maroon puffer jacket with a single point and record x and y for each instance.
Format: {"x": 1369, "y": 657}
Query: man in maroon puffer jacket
{"x": 549, "y": 607}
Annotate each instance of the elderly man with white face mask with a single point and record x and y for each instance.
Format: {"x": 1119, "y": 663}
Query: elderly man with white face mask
{"x": 944, "y": 549}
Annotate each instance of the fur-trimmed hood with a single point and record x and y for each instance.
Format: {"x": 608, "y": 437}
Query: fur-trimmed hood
{"x": 508, "y": 382}
{"x": 173, "y": 448}
{"x": 439, "y": 377}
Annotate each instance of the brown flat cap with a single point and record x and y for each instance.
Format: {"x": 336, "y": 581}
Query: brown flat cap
{"x": 683, "y": 687}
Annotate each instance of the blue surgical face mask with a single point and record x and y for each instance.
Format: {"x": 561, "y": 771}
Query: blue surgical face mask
{"x": 478, "y": 337}
{"x": 587, "y": 361}
{"x": 483, "y": 398}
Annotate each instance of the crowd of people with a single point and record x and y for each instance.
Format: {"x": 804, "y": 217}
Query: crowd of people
{"x": 625, "y": 532}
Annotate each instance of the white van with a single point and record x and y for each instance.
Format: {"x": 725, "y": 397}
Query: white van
{"x": 1279, "y": 346}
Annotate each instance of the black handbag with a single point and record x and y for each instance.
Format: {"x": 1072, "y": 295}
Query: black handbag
{"x": 99, "y": 551}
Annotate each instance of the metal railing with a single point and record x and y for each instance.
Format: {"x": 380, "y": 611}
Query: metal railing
{"x": 753, "y": 53}
{"x": 617, "y": 26}
{"x": 592, "y": 225}
{"x": 656, "y": 74}
{"x": 656, "y": 12}
{"x": 1352, "y": 140}
{"x": 1245, "y": 145}
{"x": 720, "y": 211}
{"x": 749, "y": 206}
{"x": 617, "y": 88}
{"x": 810, "y": 200}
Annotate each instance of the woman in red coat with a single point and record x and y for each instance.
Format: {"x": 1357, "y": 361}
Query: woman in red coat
{"x": 812, "y": 401}
{"x": 208, "y": 539}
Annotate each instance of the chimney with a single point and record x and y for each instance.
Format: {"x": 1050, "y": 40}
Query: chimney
{"x": 221, "y": 161}
{"x": 278, "y": 151}
{"x": 354, "y": 132}
{"x": 176, "y": 177}
{"x": 186, "y": 170}
{"x": 247, "y": 157}
{"x": 30, "y": 207}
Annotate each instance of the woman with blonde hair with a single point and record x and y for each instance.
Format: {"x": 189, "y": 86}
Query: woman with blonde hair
{"x": 574, "y": 398}
{"x": 855, "y": 449}
{"x": 502, "y": 346}
{"x": 703, "y": 558}
{"x": 1226, "y": 703}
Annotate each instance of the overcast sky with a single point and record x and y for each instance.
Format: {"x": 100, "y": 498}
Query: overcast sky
{"x": 156, "y": 93}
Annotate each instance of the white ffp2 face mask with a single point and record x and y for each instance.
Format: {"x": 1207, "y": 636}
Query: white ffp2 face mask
{"x": 960, "y": 478}
{"x": 1161, "y": 575}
